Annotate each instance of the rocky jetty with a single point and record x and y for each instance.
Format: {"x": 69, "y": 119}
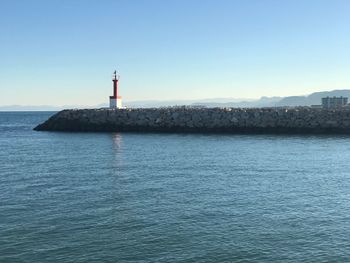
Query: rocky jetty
{"x": 190, "y": 119}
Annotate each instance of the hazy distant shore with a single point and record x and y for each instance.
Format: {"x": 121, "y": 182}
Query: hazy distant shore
{"x": 289, "y": 101}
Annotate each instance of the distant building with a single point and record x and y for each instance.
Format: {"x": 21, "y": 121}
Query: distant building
{"x": 334, "y": 102}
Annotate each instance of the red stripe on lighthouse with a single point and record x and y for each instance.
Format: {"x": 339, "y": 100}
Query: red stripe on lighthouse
{"x": 115, "y": 88}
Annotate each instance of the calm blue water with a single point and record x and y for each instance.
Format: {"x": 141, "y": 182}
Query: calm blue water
{"x": 101, "y": 197}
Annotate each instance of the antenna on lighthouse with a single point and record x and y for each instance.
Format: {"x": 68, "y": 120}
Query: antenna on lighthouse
{"x": 115, "y": 76}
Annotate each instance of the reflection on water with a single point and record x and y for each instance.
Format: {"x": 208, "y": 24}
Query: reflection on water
{"x": 118, "y": 149}
{"x": 118, "y": 140}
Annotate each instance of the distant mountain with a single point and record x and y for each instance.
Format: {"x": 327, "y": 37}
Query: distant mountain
{"x": 46, "y": 107}
{"x": 262, "y": 102}
{"x": 165, "y": 103}
{"x": 312, "y": 99}
{"x": 290, "y": 101}
{"x": 29, "y": 108}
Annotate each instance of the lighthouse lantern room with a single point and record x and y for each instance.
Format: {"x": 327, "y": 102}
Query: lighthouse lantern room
{"x": 115, "y": 101}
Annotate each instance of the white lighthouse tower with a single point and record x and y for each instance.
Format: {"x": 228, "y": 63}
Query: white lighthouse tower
{"x": 115, "y": 101}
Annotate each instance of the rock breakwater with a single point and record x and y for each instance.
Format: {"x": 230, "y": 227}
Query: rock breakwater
{"x": 187, "y": 119}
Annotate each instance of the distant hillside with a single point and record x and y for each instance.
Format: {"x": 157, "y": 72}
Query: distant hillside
{"x": 290, "y": 101}
{"x": 165, "y": 103}
{"x": 312, "y": 99}
{"x": 262, "y": 102}
{"x": 29, "y": 108}
{"x": 46, "y": 107}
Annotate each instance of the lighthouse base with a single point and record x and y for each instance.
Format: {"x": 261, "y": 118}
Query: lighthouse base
{"x": 115, "y": 102}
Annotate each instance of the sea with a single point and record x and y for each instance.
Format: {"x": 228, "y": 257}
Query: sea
{"x": 152, "y": 197}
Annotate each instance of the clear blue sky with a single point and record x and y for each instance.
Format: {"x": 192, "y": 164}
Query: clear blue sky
{"x": 61, "y": 52}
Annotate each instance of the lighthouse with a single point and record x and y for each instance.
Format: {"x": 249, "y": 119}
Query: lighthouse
{"x": 115, "y": 101}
